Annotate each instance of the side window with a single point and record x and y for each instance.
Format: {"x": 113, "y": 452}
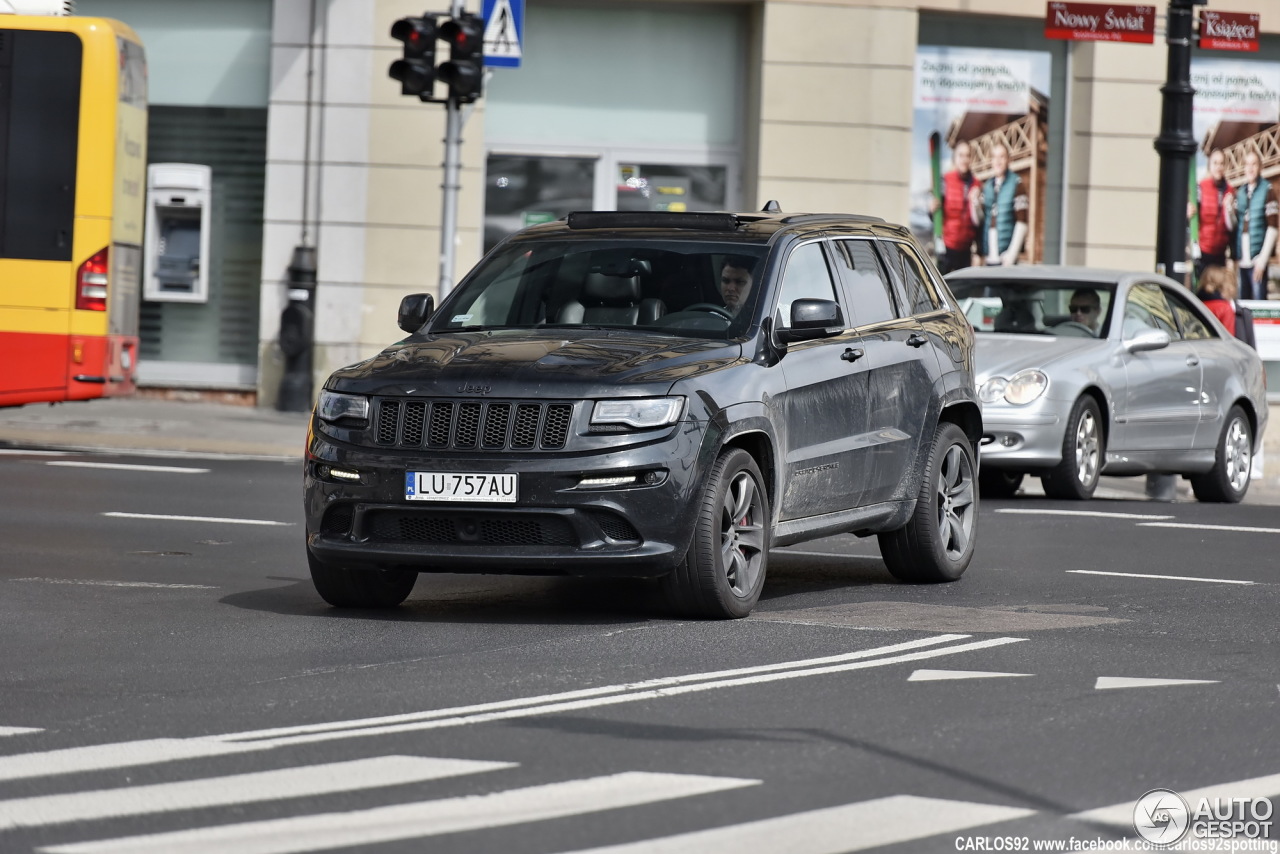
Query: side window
{"x": 909, "y": 271}
{"x": 806, "y": 277}
{"x": 871, "y": 294}
{"x": 1147, "y": 308}
{"x": 1193, "y": 328}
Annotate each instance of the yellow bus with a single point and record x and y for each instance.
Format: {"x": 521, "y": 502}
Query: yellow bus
{"x": 73, "y": 134}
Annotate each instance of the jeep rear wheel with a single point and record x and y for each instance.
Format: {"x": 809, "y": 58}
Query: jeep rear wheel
{"x": 360, "y": 588}
{"x": 937, "y": 542}
{"x": 723, "y": 572}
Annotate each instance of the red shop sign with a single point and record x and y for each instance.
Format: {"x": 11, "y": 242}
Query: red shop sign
{"x": 1100, "y": 22}
{"x": 1228, "y": 30}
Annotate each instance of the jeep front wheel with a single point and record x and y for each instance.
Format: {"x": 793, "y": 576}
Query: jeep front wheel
{"x": 937, "y": 542}
{"x": 360, "y": 588}
{"x": 723, "y": 572}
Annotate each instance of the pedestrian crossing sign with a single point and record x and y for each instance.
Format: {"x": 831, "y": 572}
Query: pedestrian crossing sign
{"x": 503, "y": 32}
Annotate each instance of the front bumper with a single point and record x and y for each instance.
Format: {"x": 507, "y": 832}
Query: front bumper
{"x": 556, "y": 527}
{"x": 1021, "y": 438}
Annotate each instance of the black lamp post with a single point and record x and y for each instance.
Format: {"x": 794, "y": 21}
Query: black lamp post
{"x": 1176, "y": 145}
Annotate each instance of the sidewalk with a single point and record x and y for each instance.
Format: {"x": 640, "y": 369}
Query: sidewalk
{"x": 138, "y": 424}
{"x": 150, "y": 425}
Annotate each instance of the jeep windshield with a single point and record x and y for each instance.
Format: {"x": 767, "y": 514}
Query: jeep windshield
{"x": 666, "y": 287}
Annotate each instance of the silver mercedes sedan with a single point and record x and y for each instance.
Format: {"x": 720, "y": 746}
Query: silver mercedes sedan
{"x": 1085, "y": 372}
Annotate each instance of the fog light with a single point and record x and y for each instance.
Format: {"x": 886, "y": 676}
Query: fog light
{"x": 620, "y": 480}
{"x": 653, "y": 478}
{"x": 1008, "y": 441}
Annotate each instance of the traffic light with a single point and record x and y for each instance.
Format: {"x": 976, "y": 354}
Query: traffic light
{"x": 465, "y": 68}
{"x": 417, "y": 70}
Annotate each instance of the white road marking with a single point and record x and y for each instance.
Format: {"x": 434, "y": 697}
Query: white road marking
{"x": 164, "y": 518}
{"x": 935, "y": 675}
{"x": 147, "y": 752}
{"x": 583, "y": 693}
{"x": 255, "y": 787}
{"x": 1099, "y": 513}
{"x": 1121, "y": 815}
{"x": 1233, "y": 528}
{"x": 1106, "y": 683}
{"x": 18, "y": 730}
{"x": 97, "y": 757}
{"x": 126, "y": 467}
{"x": 18, "y": 452}
{"x": 851, "y": 827}
{"x": 1159, "y": 577}
{"x": 633, "y": 693}
{"x": 363, "y": 828}
{"x": 96, "y": 583}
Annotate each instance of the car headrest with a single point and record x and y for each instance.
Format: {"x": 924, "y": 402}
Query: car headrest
{"x": 611, "y": 290}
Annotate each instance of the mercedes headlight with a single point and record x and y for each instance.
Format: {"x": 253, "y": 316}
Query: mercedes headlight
{"x": 1022, "y": 388}
{"x": 1026, "y": 386}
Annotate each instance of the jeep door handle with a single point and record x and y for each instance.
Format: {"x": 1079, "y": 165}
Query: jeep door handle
{"x": 852, "y": 354}
{"x": 916, "y": 339}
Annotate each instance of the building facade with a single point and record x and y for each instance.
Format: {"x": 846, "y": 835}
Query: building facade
{"x": 656, "y": 104}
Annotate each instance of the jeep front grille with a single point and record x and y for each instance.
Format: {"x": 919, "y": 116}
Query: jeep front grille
{"x": 491, "y": 425}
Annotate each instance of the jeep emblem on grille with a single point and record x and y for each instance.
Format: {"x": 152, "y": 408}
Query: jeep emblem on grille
{"x": 468, "y": 388}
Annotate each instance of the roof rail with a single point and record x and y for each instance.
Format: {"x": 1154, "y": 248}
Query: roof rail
{"x": 579, "y": 220}
{"x": 823, "y": 217}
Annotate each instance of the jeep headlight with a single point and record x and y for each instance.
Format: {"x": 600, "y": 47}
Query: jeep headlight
{"x": 642, "y": 414}
{"x": 332, "y": 406}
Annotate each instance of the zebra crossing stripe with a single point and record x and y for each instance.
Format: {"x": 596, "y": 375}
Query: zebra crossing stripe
{"x": 98, "y": 757}
{"x": 851, "y": 827}
{"x": 235, "y": 789}
{"x": 417, "y": 820}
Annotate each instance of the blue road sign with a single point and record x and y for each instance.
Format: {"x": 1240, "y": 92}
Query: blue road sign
{"x": 503, "y": 32}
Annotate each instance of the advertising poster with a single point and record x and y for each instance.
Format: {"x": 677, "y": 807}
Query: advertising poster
{"x": 987, "y": 110}
{"x": 1236, "y": 110}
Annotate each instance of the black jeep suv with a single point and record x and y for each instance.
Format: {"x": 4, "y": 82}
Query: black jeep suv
{"x": 584, "y": 403}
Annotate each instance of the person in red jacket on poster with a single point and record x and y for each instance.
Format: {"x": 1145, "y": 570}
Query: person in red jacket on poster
{"x": 1213, "y": 198}
{"x": 961, "y": 205}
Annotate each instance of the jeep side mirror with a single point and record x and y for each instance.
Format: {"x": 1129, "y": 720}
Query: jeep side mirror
{"x": 415, "y": 310}
{"x": 1147, "y": 339}
{"x": 812, "y": 318}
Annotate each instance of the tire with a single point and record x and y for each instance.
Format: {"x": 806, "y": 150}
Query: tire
{"x": 723, "y": 572}
{"x": 1228, "y": 480}
{"x": 937, "y": 542}
{"x": 1076, "y": 477}
{"x": 999, "y": 483}
{"x": 360, "y": 588}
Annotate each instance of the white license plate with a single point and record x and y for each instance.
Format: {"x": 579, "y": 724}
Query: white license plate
{"x": 460, "y": 486}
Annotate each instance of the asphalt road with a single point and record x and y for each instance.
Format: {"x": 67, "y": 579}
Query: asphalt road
{"x": 170, "y": 681}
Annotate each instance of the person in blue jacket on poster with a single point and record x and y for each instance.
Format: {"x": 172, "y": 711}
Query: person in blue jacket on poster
{"x": 1004, "y": 211}
{"x": 1256, "y": 218}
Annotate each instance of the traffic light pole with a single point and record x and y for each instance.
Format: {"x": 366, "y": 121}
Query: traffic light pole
{"x": 452, "y": 182}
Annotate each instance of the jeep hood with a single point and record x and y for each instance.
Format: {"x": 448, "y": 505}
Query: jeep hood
{"x": 557, "y": 363}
